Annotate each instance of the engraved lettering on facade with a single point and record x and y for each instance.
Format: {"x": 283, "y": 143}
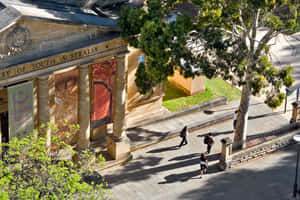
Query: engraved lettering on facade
{"x": 48, "y": 62}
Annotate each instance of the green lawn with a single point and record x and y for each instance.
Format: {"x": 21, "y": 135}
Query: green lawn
{"x": 175, "y": 99}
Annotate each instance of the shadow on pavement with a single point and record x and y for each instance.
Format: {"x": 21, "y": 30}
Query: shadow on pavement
{"x": 185, "y": 157}
{"x": 267, "y": 114}
{"x": 209, "y": 112}
{"x": 142, "y": 168}
{"x": 160, "y": 150}
{"x": 180, "y": 177}
{"x": 271, "y": 182}
{"x": 216, "y": 133}
{"x": 183, "y": 177}
{"x": 142, "y": 134}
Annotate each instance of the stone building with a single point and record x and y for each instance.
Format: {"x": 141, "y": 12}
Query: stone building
{"x": 62, "y": 63}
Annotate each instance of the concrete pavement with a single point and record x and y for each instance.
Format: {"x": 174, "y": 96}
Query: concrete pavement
{"x": 261, "y": 119}
{"x": 162, "y": 171}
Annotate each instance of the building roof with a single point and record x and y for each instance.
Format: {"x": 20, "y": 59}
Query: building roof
{"x": 12, "y": 10}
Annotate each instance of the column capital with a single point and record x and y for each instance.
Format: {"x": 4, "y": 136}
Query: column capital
{"x": 120, "y": 56}
{"x": 45, "y": 77}
{"x": 83, "y": 67}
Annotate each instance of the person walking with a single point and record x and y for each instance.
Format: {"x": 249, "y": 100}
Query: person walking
{"x": 203, "y": 164}
{"x": 235, "y": 115}
{"x": 209, "y": 141}
{"x": 183, "y": 135}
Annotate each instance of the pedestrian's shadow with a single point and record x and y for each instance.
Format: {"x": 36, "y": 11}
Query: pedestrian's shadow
{"x": 180, "y": 177}
{"x": 212, "y": 169}
{"x": 172, "y": 148}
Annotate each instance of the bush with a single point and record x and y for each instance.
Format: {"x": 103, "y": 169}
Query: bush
{"x": 28, "y": 171}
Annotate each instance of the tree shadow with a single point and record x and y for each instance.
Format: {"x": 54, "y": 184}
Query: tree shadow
{"x": 142, "y": 134}
{"x": 185, "y": 157}
{"x": 267, "y": 115}
{"x": 160, "y": 150}
{"x": 216, "y": 133}
{"x": 143, "y": 168}
{"x": 209, "y": 112}
{"x": 269, "y": 182}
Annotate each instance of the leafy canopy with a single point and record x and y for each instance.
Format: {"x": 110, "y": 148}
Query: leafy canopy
{"x": 228, "y": 38}
{"x": 28, "y": 171}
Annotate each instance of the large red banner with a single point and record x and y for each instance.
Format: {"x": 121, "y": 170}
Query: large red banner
{"x": 103, "y": 87}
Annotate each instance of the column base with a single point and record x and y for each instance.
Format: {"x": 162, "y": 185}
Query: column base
{"x": 118, "y": 148}
{"x": 224, "y": 164}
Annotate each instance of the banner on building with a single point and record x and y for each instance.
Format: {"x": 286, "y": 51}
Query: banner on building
{"x": 66, "y": 100}
{"x": 20, "y": 110}
{"x": 103, "y": 87}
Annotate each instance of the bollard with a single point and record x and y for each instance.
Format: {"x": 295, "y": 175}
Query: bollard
{"x": 225, "y": 158}
{"x": 295, "y": 112}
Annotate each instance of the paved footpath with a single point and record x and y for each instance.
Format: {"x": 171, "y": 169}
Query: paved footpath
{"x": 162, "y": 171}
{"x": 261, "y": 119}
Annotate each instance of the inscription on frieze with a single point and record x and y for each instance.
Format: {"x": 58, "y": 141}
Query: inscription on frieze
{"x": 34, "y": 66}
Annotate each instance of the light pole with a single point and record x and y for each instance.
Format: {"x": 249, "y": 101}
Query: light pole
{"x": 295, "y": 191}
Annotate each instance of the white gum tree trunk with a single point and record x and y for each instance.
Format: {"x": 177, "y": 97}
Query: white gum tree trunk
{"x": 242, "y": 120}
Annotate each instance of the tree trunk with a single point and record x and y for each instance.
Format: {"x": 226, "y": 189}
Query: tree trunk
{"x": 242, "y": 119}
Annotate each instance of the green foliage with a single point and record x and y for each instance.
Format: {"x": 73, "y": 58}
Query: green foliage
{"x": 163, "y": 43}
{"x": 229, "y": 37}
{"x": 143, "y": 80}
{"x": 29, "y": 171}
{"x": 273, "y": 101}
{"x": 226, "y": 30}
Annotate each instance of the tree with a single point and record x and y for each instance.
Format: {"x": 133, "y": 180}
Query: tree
{"x": 233, "y": 41}
{"x": 28, "y": 171}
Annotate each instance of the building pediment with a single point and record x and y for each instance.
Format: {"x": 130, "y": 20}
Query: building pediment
{"x": 29, "y": 32}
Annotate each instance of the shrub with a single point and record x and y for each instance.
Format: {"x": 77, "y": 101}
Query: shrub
{"x": 29, "y": 171}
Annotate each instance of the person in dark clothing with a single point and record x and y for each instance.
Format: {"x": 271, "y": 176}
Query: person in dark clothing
{"x": 209, "y": 141}
{"x": 183, "y": 135}
{"x": 203, "y": 164}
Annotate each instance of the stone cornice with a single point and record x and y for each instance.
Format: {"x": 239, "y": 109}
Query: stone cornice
{"x": 76, "y": 57}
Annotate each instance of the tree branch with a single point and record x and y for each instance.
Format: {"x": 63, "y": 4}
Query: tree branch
{"x": 267, "y": 37}
{"x": 253, "y": 35}
{"x": 241, "y": 19}
{"x": 230, "y": 32}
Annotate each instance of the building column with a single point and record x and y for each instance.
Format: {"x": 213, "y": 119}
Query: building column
{"x": 46, "y": 106}
{"x": 84, "y": 109}
{"x": 118, "y": 145}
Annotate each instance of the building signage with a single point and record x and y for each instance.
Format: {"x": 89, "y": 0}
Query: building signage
{"x": 44, "y": 63}
{"x": 20, "y": 110}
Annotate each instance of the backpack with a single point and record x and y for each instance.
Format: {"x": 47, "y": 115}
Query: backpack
{"x": 206, "y": 140}
{"x": 182, "y": 133}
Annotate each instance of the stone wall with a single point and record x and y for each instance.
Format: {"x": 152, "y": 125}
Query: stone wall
{"x": 262, "y": 149}
{"x": 190, "y": 86}
{"x": 283, "y": 137}
{"x": 140, "y": 107}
